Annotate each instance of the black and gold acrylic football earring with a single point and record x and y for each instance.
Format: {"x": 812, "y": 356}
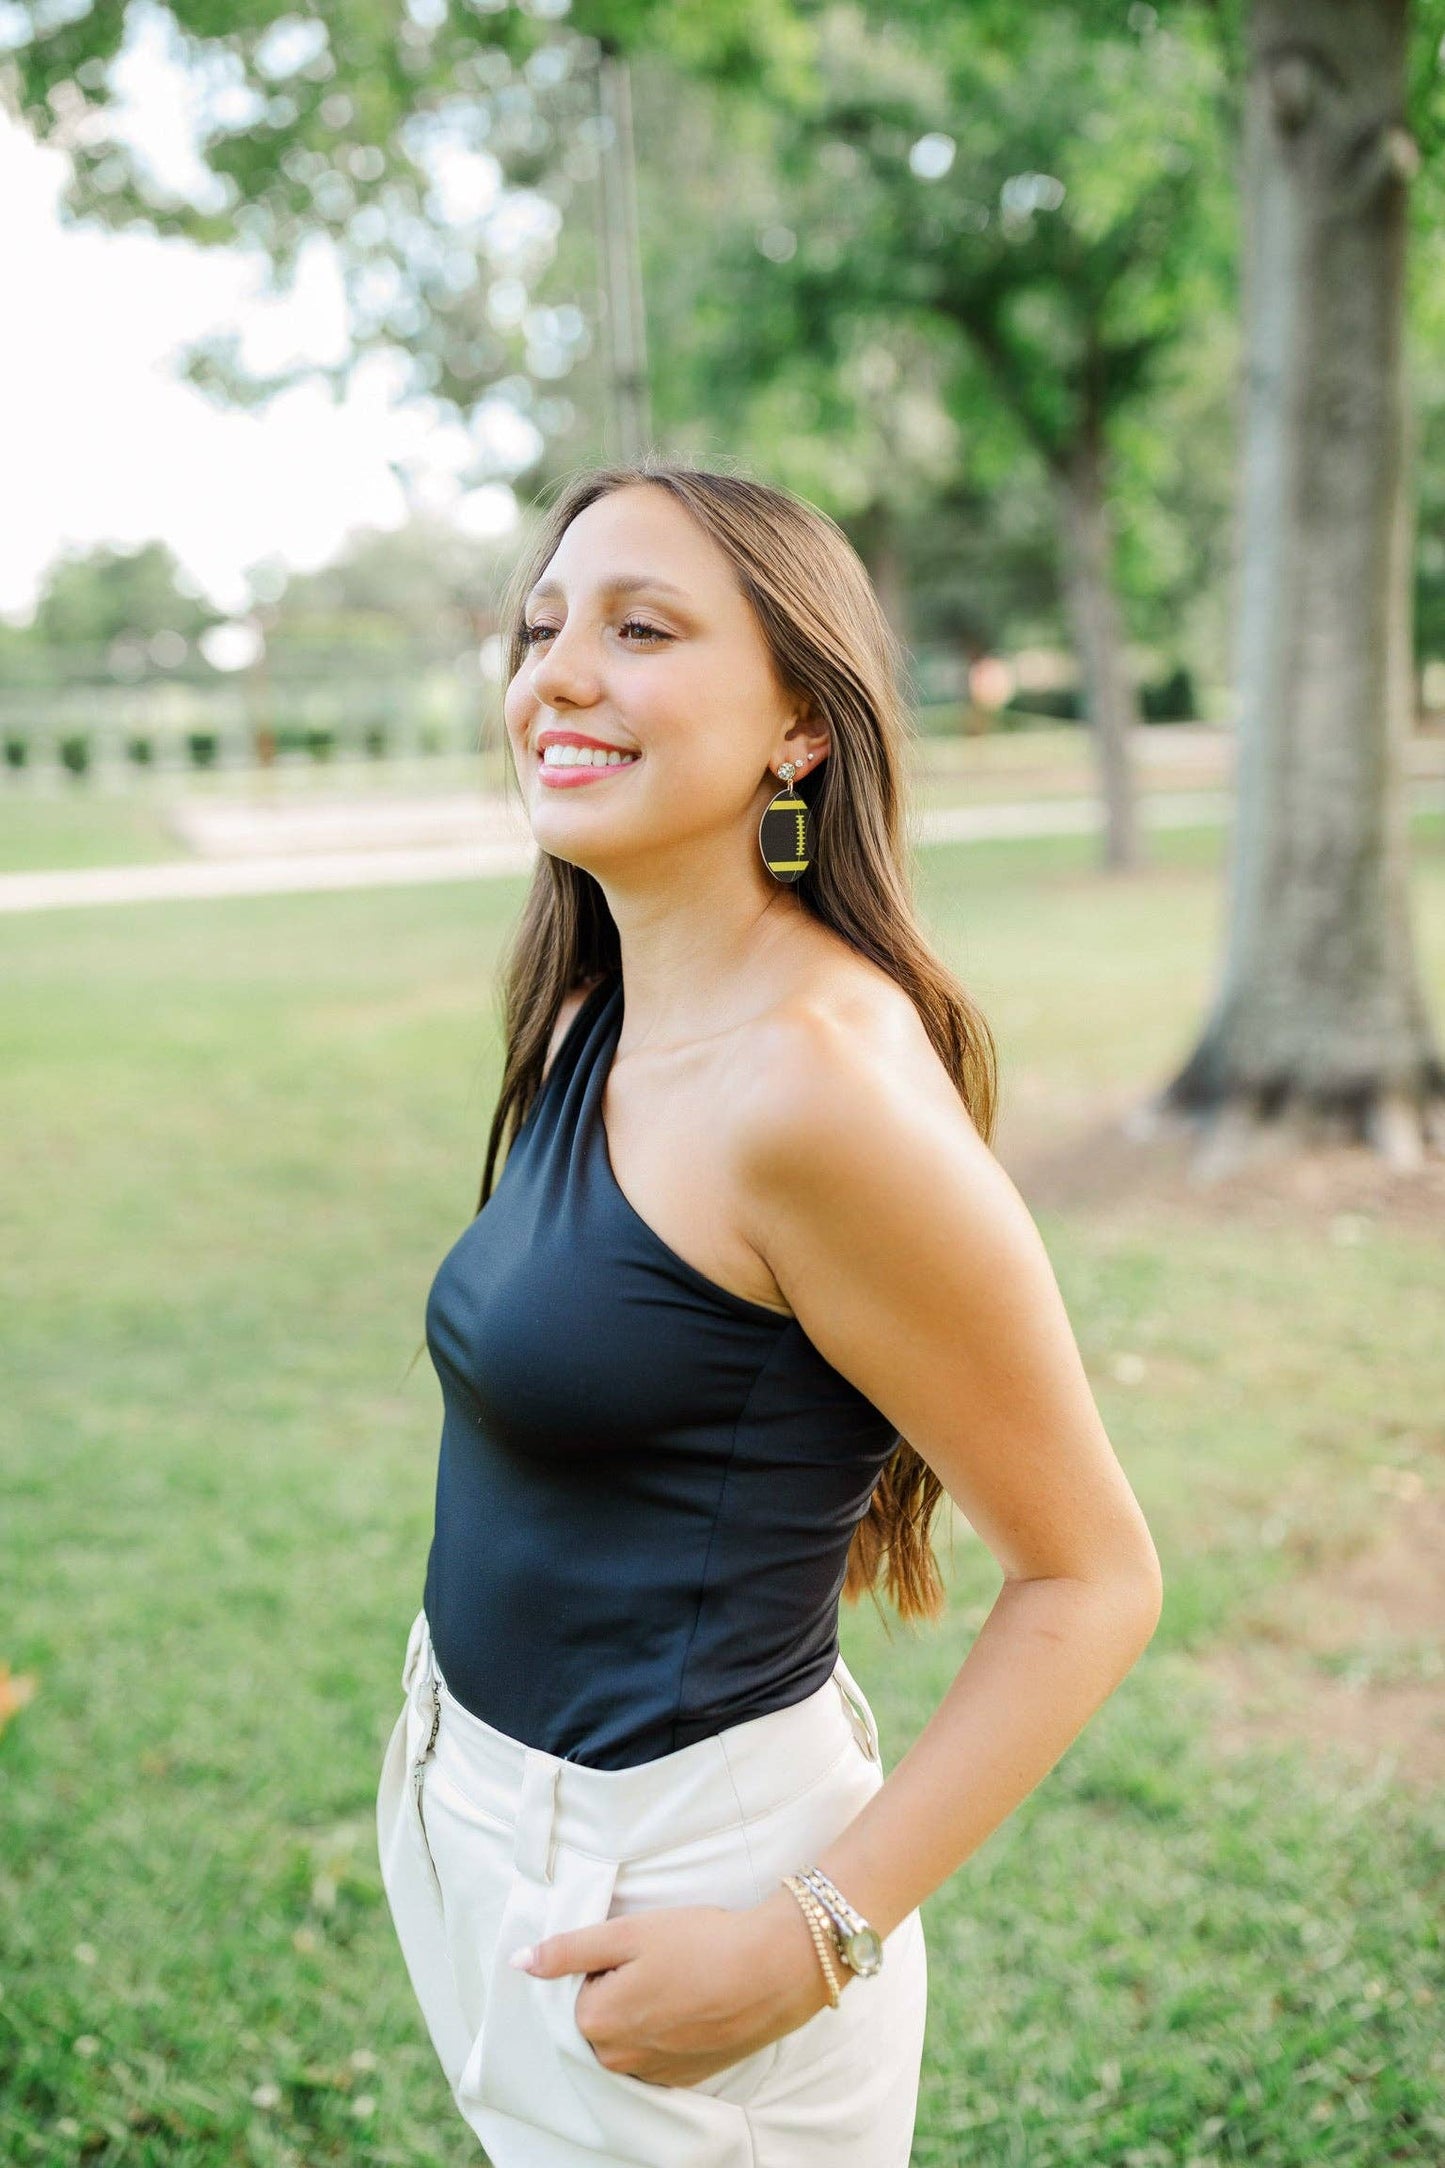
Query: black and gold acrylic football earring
{"x": 783, "y": 829}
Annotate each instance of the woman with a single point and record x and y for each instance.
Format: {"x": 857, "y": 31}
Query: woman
{"x": 751, "y": 1293}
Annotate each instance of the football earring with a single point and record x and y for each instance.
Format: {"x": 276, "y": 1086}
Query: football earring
{"x": 783, "y": 829}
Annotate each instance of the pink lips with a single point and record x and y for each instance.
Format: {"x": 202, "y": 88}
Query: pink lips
{"x": 566, "y": 778}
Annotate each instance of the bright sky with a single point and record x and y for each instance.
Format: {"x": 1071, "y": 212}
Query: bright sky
{"x": 101, "y": 442}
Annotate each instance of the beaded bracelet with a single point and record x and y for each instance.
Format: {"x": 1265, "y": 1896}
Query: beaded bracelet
{"x": 820, "y": 1928}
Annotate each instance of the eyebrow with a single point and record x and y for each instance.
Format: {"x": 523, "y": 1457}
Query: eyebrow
{"x": 621, "y": 583}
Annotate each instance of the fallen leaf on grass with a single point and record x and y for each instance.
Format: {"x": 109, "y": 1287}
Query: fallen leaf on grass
{"x": 16, "y": 1688}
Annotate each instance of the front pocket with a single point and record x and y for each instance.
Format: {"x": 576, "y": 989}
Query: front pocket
{"x": 531, "y": 2058}
{"x": 592, "y": 1892}
{"x": 532, "y": 2061}
{"x": 717, "y": 1871}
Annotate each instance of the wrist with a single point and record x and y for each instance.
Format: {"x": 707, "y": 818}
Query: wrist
{"x": 790, "y": 1958}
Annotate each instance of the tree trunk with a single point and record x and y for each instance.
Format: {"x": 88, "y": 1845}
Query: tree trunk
{"x": 879, "y": 548}
{"x": 1320, "y": 1019}
{"x": 623, "y": 308}
{"x": 1093, "y": 609}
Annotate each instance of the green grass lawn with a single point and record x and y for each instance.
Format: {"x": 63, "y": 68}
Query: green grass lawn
{"x": 240, "y": 1136}
{"x": 43, "y": 832}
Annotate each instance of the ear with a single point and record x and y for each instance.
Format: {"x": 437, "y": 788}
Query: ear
{"x": 808, "y": 718}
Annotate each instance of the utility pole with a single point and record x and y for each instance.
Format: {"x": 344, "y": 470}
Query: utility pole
{"x": 627, "y": 419}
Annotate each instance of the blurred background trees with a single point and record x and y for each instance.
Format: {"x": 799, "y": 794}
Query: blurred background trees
{"x": 972, "y": 280}
{"x": 815, "y": 246}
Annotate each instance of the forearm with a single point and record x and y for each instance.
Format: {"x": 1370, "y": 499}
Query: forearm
{"x": 1049, "y": 1653}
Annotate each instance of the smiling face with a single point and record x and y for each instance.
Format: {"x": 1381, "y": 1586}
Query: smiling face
{"x": 640, "y": 640}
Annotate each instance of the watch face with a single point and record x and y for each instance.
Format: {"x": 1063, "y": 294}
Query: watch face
{"x": 863, "y": 1950}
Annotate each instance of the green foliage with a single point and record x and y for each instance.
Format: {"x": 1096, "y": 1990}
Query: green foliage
{"x": 1080, "y": 217}
{"x": 93, "y": 597}
{"x": 424, "y": 584}
{"x": 914, "y": 353}
{"x": 328, "y": 127}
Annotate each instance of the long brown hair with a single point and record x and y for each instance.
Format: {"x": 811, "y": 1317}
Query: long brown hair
{"x": 830, "y": 640}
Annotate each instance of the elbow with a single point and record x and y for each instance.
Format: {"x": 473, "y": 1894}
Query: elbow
{"x": 1129, "y": 1598}
{"x": 1141, "y": 1598}
{"x": 1154, "y": 1612}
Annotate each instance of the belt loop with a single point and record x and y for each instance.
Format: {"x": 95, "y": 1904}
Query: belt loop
{"x": 857, "y": 1711}
{"x": 535, "y": 1843}
{"x": 423, "y": 1687}
{"x": 415, "y": 1642}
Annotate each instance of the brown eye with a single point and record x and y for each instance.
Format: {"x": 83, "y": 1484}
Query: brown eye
{"x": 529, "y": 634}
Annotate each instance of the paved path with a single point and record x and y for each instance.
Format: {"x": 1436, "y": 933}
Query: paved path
{"x": 189, "y": 878}
{"x": 255, "y": 827}
{"x": 492, "y": 851}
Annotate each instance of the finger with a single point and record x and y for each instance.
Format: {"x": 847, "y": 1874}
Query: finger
{"x": 579, "y": 1949}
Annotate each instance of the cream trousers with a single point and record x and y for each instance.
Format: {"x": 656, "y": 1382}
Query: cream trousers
{"x": 486, "y": 1843}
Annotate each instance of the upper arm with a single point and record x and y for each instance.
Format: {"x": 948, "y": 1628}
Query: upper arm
{"x": 915, "y": 1267}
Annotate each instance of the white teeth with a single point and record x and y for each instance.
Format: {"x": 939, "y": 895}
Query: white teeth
{"x": 583, "y": 756}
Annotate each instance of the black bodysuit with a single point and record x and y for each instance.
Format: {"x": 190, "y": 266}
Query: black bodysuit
{"x": 647, "y": 1484}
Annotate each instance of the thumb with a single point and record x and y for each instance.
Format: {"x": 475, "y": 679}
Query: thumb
{"x": 580, "y": 1949}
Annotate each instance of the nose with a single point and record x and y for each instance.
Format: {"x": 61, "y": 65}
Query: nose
{"x": 562, "y": 674}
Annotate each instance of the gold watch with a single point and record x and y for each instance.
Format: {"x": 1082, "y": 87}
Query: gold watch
{"x": 859, "y": 1945}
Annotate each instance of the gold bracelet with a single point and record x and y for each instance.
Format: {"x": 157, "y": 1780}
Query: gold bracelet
{"x": 819, "y": 1927}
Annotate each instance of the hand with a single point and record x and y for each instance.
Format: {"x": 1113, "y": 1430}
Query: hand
{"x": 679, "y": 1992}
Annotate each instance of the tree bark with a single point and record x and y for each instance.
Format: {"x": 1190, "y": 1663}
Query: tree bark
{"x": 1320, "y": 1016}
{"x": 623, "y": 307}
{"x": 1093, "y": 610}
{"x": 881, "y": 552}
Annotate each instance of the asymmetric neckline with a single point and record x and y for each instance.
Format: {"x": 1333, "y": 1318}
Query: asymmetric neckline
{"x": 601, "y": 1045}
{"x": 647, "y": 1484}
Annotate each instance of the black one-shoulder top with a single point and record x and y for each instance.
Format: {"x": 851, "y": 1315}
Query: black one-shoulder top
{"x": 647, "y": 1484}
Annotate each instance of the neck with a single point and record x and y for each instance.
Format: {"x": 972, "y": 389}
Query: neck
{"x": 704, "y": 947}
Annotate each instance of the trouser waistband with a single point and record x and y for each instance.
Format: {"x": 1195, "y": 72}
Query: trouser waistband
{"x": 738, "y": 1774}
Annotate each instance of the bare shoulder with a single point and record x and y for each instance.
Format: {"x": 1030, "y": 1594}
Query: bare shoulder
{"x": 857, "y": 1153}
{"x": 570, "y": 1003}
{"x": 845, "y": 1053}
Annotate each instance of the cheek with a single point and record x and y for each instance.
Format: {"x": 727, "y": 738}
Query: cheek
{"x": 699, "y": 785}
{"x": 516, "y": 706}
